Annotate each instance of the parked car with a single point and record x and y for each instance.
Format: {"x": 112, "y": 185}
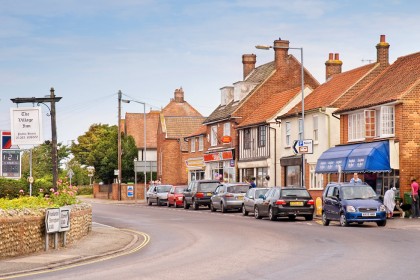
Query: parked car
{"x": 288, "y": 202}
{"x": 199, "y": 193}
{"x": 150, "y": 190}
{"x": 229, "y": 196}
{"x": 159, "y": 195}
{"x": 250, "y": 197}
{"x": 176, "y": 196}
{"x": 352, "y": 203}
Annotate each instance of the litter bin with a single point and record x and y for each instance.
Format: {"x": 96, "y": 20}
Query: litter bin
{"x": 407, "y": 198}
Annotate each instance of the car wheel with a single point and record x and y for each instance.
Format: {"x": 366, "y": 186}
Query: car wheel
{"x": 257, "y": 213}
{"x": 381, "y": 223}
{"x": 186, "y": 206}
{"x": 360, "y": 223}
{"x": 194, "y": 205}
{"x": 212, "y": 209}
{"x": 244, "y": 212}
{"x": 209, "y": 206}
{"x": 222, "y": 206}
{"x": 343, "y": 220}
{"x": 158, "y": 202}
{"x": 271, "y": 215}
{"x": 292, "y": 217}
{"x": 309, "y": 218}
{"x": 325, "y": 221}
{"x": 149, "y": 202}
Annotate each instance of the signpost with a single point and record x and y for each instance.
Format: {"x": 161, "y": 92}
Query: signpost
{"x": 303, "y": 146}
{"x": 130, "y": 191}
{"x": 56, "y": 220}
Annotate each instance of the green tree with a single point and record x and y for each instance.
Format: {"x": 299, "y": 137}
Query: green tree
{"x": 98, "y": 147}
{"x": 41, "y": 161}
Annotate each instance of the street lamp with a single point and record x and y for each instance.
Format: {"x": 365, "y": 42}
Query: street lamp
{"x": 144, "y": 141}
{"x": 302, "y": 80}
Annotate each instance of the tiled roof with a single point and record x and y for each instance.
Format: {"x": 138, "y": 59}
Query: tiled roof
{"x": 329, "y": 92}
{"x": 390, "y": 86}
{"x": 258, "y": 75}
{"x": 175, "y": 108}
{"x": 179, "y": 127}
{"x": 270, "y": 107}
{"x": 134, "y": 127}
{"x": 202, "y": 130}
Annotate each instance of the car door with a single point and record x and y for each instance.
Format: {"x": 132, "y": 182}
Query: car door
{"x": 217, "y": 198}
{"x": 249, "y": 200}
{"x": 171, "y": 196}
{"x": 188, "y": 192}
{"x": 263, "y": 206}
{"x": 332, "y": 203}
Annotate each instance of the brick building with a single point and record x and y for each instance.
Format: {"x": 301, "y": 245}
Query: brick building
{"x": 380, "y": 127}
{"x": 177, "y": 120}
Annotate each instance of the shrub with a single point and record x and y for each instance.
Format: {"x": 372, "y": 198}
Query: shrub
{"x": 9, "y": 188}
{"x": 85, "y": 190}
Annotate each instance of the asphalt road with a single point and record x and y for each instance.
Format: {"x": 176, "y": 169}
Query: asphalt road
{"x": 188, "y": 244}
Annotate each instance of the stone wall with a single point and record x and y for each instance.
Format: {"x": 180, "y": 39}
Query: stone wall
{"x": 22, "y": 232}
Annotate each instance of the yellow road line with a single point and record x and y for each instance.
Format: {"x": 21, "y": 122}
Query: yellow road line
{"x": 47, "y": 270}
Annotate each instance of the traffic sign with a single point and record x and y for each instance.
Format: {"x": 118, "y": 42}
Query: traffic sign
{"x": 303, "y": 146}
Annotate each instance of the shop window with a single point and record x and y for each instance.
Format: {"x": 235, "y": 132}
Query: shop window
{"x": 293, "y": 176}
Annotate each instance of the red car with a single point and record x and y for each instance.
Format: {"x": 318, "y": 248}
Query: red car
{"x": 176, "y": 196}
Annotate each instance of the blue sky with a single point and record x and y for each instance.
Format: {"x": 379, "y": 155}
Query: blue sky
{"x": 88, "y": 50}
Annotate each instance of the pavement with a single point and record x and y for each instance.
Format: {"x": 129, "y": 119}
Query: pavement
{"x": 105, "y": 242}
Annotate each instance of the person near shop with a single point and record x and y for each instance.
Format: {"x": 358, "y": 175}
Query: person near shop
{"x": 253, "y": 185}
{"x": 356, "y": 179}
{"x": 266, "y": 181}
{"x": 389, "y": 201}
{"x": 415, "y": 199}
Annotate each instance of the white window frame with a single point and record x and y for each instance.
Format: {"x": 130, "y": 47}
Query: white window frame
{"x": 356, "y": 126}
{"x": 213, "y": 135}
{"x": 226, "y": 129}
{"x": 288, "y": 130}
{"x": 316, "y": 181}
{"x": 370, "y": 120}
{"x": 387, "y": 125}
{"x": 201, "y": 143}
{"x": 192, "y": 144}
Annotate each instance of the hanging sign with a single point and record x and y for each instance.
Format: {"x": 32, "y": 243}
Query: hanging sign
{"x": 26, "y": 126}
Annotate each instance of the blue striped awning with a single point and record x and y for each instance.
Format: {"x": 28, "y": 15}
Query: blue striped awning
{"x": 363, "y": 157}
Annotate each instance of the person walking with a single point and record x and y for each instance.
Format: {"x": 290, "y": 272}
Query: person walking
{"x": 415, "y": 198}
{"x": 253, "y": 185}
{"x": 356, "y": 179}
{"x": 389, "y": 202}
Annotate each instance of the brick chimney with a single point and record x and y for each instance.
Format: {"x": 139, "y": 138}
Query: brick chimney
{"x": 281, "y": 48}
{"x": 382, "y": 50}
{"x": 248, "y": 61}
{"x": 332, "y": 65}
{"x": 179, "y": 95}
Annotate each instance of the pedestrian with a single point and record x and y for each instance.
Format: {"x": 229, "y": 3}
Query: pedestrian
{"x": 355, "y": 179}
{"x": 389, "y": 202}
{"x": 266, "y": 181}
{"x": 253, "y": 185}
{"x": 415, "y": 198}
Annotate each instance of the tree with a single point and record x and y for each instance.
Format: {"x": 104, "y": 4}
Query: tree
{"x": 41, "y": 160}
{"x": 98, "y": 147}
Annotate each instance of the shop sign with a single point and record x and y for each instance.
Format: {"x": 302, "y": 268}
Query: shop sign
{"x": 226, "y": 139}
{"x": 226, "y": 155}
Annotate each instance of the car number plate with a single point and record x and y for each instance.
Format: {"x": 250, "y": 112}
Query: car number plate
{"x": 368, "y": 214}
{"x": 240, "y": 198}
{"x": 209, "y": 194}
{"x": 296, "y": 203}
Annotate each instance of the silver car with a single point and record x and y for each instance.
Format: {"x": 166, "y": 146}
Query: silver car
{"x": 250, "y": 198}
{"x": 159, "y": 195}
{"x": 229, "y": 196}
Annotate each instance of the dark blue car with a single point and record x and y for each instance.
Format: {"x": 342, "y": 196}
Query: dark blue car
{"x": 352, "y": 203}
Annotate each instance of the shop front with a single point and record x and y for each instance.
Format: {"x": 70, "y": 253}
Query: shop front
{"x": 374, "y": 161}
{"x": 221, "y": 165}
{"x": 196, "y": 169}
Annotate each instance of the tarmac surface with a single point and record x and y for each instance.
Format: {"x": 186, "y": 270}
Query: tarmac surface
{"x": 104, "y": 242}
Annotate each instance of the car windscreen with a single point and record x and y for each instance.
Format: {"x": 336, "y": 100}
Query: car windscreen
{"x": 238, "y": 189}
{"x": 208, "y": 187}
{"x": 357, "y": 192}
{"x": 164, "y": 188}
{"x": 179, "y": 190}
{"x": 259, "y": 192}
{"x": 295, "y": 193}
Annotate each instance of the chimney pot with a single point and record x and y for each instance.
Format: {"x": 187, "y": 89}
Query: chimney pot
{"x": 331, "y": 56}
{"x": 337, "y": 56}
{"x": 382, "y": 40}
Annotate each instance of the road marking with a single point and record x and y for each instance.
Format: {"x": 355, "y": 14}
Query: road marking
{"x": 146, "y": 241}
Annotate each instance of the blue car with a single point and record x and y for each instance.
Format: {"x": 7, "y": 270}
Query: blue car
{"x": 352, "y": 203}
